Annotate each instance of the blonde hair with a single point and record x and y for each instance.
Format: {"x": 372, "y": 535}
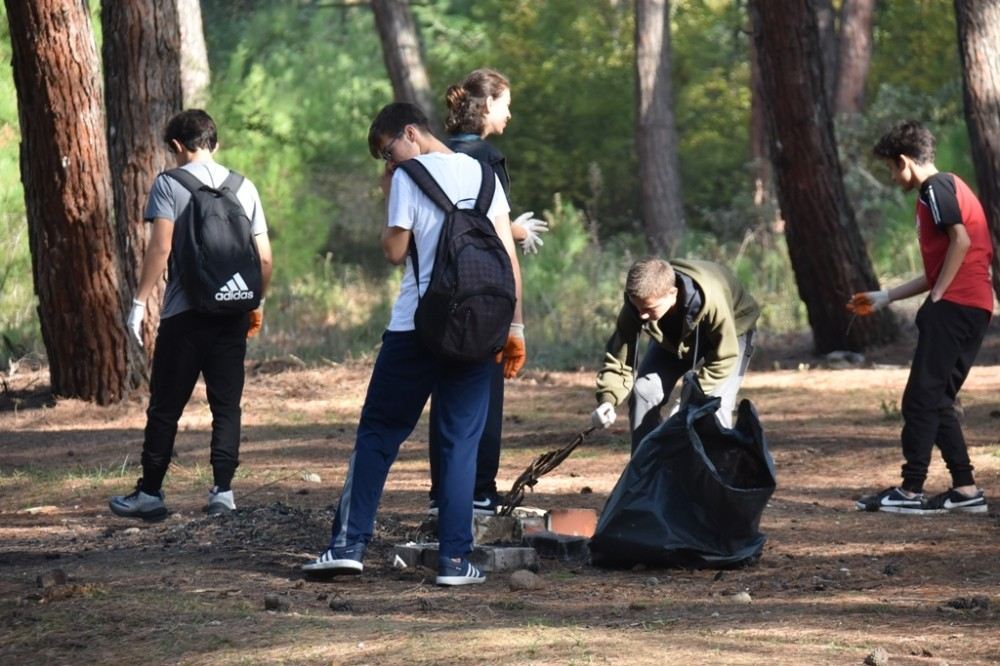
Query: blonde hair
{"x": 467, "y": 100}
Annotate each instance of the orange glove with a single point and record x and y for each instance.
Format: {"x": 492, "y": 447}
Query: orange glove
{"x": 868, "y": 302}
{"x": 256, "y": 320}
{"x": 513, "y": 355}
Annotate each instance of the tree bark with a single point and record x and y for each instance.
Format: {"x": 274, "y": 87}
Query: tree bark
{"x": 196, "y": 74}
{"x": 826, "y": 22}
{"x": 67, "y": 192}
{"x": 656, "y": 132}
{"x": 979, "y": 45}
{"x": 855, "y": 55}
{"x": 404, "y": 62}
{"x": 825, "y": 246}
{"x": 760, "y": 161}
{"x": 142, "y": 74}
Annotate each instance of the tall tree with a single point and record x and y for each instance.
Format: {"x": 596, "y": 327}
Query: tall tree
{"x": 142, "y": 75}
{"x": 404, "y": 61}
{"x": 195, "y": 72}
{"x": 656, "y": 132}
{"x": 826, "y": 23}
{"x": 825, "y": 246}
{"x": 979, "y": 45}
{"x": 760, "y": 161}
{"x": 854, "y": 55}
{"x": 67, "y": 193}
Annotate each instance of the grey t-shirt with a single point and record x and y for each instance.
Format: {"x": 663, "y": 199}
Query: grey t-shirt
{"x": 167, "y": 200}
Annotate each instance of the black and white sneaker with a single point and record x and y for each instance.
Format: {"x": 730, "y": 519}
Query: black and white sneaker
{"x": 220, "y": 502}
{"x": 458, "y": 571}
{"x": 338, "y": 561}
{"x": 486, "y": 505}
{"x": 953, "y": 501}
{"x": 893, "y": 500}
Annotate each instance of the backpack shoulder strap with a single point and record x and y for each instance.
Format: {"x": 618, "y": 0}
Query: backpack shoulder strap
{"x": 188, "y": 180}
{"x": 487, "y": 189}
{"x": 232, "y": 182}
{"x": 425, "y": 181}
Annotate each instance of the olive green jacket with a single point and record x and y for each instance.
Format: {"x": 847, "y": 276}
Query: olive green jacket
{"x": 727, "y": 312}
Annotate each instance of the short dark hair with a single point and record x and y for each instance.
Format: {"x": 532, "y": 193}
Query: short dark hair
{"x": 908, "y": 138}
{"x": 391, "y": 120}
{"x": 649, "y": 278}
{"x": 193, "y": 129}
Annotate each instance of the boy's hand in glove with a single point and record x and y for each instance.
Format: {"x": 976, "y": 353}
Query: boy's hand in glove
{"x": 256, "y": 320}
{"x": 532, "y": 228}
{"x": 603, "y": 416}
{"x": 135, "y": 317}
{"x": 513, "y": 355}
{"x": 868, "y": 302}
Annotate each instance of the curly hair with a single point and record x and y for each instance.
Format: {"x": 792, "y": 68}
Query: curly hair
{"x": 908, "y": 138}
{"x": 467, "y": 100}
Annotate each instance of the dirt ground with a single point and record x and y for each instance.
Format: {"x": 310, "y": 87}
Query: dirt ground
{"x": 833, "y": 584}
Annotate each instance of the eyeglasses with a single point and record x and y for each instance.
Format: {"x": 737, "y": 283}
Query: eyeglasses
{"x": 386, "y": 152}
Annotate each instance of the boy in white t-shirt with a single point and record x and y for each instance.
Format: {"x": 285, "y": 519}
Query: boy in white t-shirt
{"x": 406, "y": 372}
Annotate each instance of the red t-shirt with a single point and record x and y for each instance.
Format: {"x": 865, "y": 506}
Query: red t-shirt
{"x": 945, "y": 200}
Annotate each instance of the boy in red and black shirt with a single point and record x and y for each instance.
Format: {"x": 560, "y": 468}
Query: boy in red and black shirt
{"x": 956, "y": 249}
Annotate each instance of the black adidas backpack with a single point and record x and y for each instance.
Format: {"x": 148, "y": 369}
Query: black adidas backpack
{"x": 465, "y": 313}
{"x": 218, "y": 263}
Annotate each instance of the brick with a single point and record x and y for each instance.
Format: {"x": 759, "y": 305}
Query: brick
{"x": 574, "y": 522}
{"x": 562, "y": 547}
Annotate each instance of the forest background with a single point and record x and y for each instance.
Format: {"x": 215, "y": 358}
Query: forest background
{"x": 295, "y": 84}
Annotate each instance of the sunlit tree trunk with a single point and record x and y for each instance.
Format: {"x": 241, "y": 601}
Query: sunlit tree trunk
{"x": 825, "y": 246}
{"x": 854, "y": 55}
{"x": 195, "y": 72}
{"x": 656, "y": 133}
{"x": 979, "y": 45}
{"x": 760, "y": 160}
{"x": 142, "y": 75}
{"x": 403, "y": 59}
{"x": 67, "y": 192}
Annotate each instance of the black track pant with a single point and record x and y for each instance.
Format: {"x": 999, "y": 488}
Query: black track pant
{"x": 189, "y": 344}
{"x": 948, "y": 341}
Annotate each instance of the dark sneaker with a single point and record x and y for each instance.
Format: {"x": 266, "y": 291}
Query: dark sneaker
{"x": 338, "y": 561}
{"x": 458, "y": 571}
{"x": 486, "y": 505}
{"x": 954, "y": 501}
{"x": 891, "y": 500}
{"x": 220, "y": 503}
{"x": 139, "y": 505}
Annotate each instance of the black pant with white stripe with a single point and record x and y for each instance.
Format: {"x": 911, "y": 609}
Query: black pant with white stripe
{"x": 189, "y": 344}
{"x": 949, "y": 339}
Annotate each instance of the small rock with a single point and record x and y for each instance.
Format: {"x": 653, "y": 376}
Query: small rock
{"x": 586, "y": 490}
{"x": 878, "y": 657}
{"x": 273, "y": 602}
{"x": 522, "y": 579}
{"x": 51, "y": 578}
{"x": 969, "y": 603}
{"x": 892, "y": 569}
{"x": 652, "y": 581}
{"x": 131, "y": 530}
{"x": 715, "y": 614}
{"x": 742, "y": 598}
{"x": 341, "y": 605}
{"x": 311, "y": 477}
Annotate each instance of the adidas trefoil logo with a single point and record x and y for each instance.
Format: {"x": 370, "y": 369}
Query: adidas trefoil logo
{"x": 234, "y": 290}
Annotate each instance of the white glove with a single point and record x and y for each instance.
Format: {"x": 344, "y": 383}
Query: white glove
{"x": 603, "y": 416}
{"x": 135, "y": 317}
{"x": 878, "y": 299}
{"x": 533, "y": 228}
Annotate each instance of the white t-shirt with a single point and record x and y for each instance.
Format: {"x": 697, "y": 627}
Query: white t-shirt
{"x": 168, "y": 199}
{"x": 409, "y": 208}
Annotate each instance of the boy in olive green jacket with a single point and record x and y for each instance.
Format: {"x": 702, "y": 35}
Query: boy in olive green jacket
{"x": 699, "y": 317}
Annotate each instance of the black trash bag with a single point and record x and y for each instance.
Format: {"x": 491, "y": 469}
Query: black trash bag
{"x": 693, "y": 493}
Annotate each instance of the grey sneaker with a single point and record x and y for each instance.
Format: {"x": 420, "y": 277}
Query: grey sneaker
{"x": 139, "y": 505}
{"x": 219, "y": 503}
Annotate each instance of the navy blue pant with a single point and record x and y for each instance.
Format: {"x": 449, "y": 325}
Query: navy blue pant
{"x": 947, "y": 343}
{"x": 488, "y": 458}
{"x": 189, "y": 344}
{"x": 403, "y": 378}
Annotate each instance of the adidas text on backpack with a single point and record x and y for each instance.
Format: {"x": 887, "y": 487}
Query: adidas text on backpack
{"x": 465, "y": 313}
{"x": 217, "y": 258}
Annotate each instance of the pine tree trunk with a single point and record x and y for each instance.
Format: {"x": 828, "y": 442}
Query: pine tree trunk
{"x": 855, "y": 55}
{"x": 403, "y": 59}
{"x": 656, "y": 133}
{"x": 826, "y": 22}
{"x": 825, "y": 246}
{"x": 195, "y": 72}
{"x": 67, "y": 192}
{"x": 979, "y": 45}
{"x": 142, "y": 78}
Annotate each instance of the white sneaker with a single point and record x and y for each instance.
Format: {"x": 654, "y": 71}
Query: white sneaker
{"x": 219, "y": 503}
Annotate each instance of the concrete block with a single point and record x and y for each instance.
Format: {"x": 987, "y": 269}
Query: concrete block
{"x": 562, "y": 547}
{"x": 487, "y": 558}
{"x": 486, "y": 530}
